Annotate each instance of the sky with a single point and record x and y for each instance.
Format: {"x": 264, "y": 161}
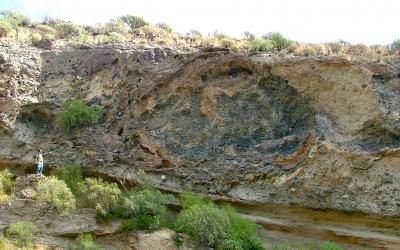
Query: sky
{"x": 309, "y": 21}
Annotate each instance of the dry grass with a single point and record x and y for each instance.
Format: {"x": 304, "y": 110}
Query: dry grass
{"x": 69, "y": 34}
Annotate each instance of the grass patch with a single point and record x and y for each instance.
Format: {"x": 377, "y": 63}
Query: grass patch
{"x": 330, "y": 245}
{"x": 22, "y": 233}
{"x": 86, "y": 242}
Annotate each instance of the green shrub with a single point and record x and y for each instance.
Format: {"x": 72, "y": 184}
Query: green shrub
{"x": 86, "y": 242}
{"x": 69, "y": 30}
{"x": 56, "y": 193}
{"x": 22, "y": 232}
{"x": 283, "y": 245}
{"x": 330, "y": 245}
{"x": 262, "y": 45}
{"x": 14, "y": 18}
{"x": 72, "y": 175}
{"x": 134, "y": 22}
{"x": 243, "y": 232}
{"x": 207, "y": 224}
{"x": 103, "y": 196}
{"x": 127, "y": 225}
{"x": 165, "y": 27}
{"x": 45, "y": 29}
{"x": 77, "y": 113}
{"x": 113, "y": 27}
{"x": 6, "y": 181}
{"x": 189, "y": 199}
{"x": 230, "y": 43}
{"x": 146, "y": 207}
{"x": 278, "y": 40}
{"x": 241, "y": 241}
{"x": 5, "y": 28}
{"x": 395, "y": 45}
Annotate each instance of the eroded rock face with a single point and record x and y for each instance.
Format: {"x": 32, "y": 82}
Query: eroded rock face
{"x": 318, "y": 132}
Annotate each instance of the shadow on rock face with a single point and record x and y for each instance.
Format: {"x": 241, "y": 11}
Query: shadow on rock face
{"x": 264, "y": 117}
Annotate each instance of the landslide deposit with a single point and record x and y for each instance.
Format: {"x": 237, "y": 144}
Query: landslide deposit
{"x": 319, "y": 132}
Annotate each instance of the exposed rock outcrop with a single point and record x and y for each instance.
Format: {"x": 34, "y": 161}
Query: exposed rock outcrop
{"x": 318, "y": 132}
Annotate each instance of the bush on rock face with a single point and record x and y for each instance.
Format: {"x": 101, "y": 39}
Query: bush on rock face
{"x": 72, "y": 175}
{"x": 77, "y": 113}
{"x": 146, "y": 208}
{"x": 86, "y": 242}
{"x": 22, "y": 232}
{"x": 102, "y": 195}
{"x": 218, "y": 227}
{"x": 207, "y": 224}
{"x": 56, "y": 193}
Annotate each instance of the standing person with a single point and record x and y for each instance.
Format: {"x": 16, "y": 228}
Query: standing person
{"x": 39, "y": 163}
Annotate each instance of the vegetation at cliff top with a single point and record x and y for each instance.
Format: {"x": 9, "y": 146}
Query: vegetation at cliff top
{"x": 134, "y": 29}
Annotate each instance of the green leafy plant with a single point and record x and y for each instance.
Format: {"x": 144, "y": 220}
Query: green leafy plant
{"x": 56, "y": 193}
{"x": 22, "y": 233}
{"x": 72, "y": 175}
{"x": 134, "y": 22}
{"x": 113, "y": 26}
{"x": 86, "y": 242}
{"x": 189, "y": 199}
{"x": 102, "y": 195}
{"x": 282, "y": 245}
{"x": 243, "y": 234}
{"x": 146, "y": 207}
{"x": 330, "y": 245}
{"x": 5, "y": 28}
{"x": 69, "y": 30}
{"x": 127, "y": 225}
{"x": 77, "y": 113}
{"x": 6, "y": 181}
{"x": 14, "y": 18}
{"x": 278, "y": 40}
{"x": 207, "y": 224}
{"x": 262, "y": 45}
{"x": 395, "y": 45}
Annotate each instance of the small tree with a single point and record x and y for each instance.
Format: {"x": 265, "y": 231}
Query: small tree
{"x": 134, "y": 22}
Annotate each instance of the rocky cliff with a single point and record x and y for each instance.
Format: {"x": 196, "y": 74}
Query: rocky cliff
{"x": 319, "y": 132}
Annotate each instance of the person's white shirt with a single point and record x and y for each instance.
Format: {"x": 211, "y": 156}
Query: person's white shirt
{"x": 40, "y": 157}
